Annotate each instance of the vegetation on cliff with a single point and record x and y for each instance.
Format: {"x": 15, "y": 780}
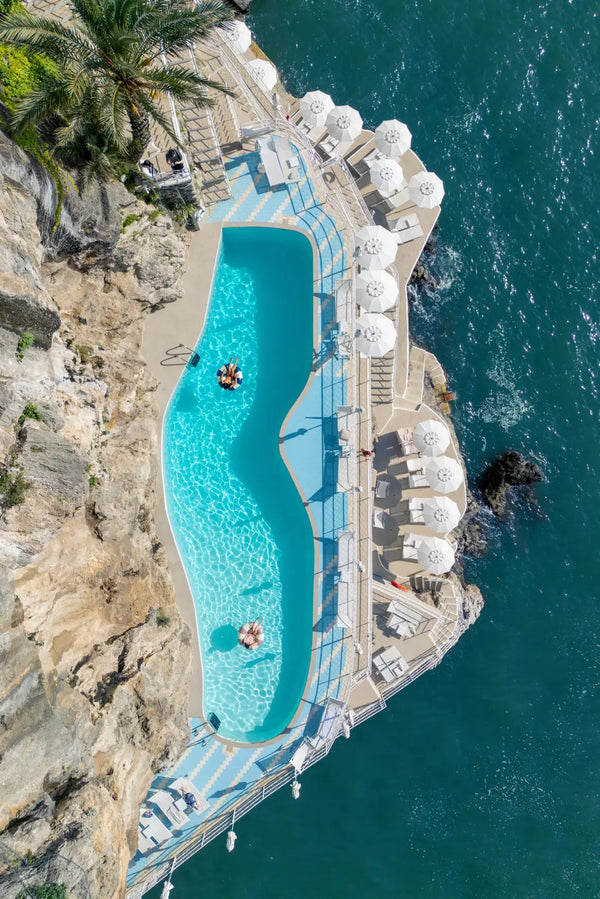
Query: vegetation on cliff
{"x": 90, "y": 90}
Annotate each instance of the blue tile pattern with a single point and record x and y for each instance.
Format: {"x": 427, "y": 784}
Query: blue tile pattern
{"x": 224, "y": 774}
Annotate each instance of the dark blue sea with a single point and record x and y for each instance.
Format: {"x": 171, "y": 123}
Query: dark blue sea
{"x": 482, "y": 779}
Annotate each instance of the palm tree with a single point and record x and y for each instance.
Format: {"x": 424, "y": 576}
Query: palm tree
{"x": 113, "y": 68}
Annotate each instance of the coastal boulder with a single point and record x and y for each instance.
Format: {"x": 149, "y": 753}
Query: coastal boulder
{"x": 511, "y": 469}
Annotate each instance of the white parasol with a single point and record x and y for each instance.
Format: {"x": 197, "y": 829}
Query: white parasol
{"x": 377, "y": 247}
{"x": 264, "y": 72}
{"x": 239, "y": 35}
{"x": 426, "y": 190}
{"x": 435, "y": 555}
{"x": 443, "y": 474}
{"x": 393, "y": 138}
{"x": 440, "y": 513}
{"x": 375, "y": 334}
{"x": 314, "y": 108}
{"x": 387, "y": 176}
{"x": 431, "y": 437}
{"x": 376, "y": 290}
{"x": 344, "y": 123}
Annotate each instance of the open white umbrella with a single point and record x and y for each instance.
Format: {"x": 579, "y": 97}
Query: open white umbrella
{"x": 393, "y": 138}
{"x": 440, "y": 513}
{"x": 314, "y": 108}
{"x": 431, "y": 437}
{"x": 443, "y": 474}
{"x": 377, "y": 247}
{"x": 344, "y": 123}
{"x": 375, "y": 334}
{"x": 264, "y": 72}
{"x": 376, "y": 290}
{"x": 435, "y": 555}
{"x": 387, "y": 176}
{"x": 426, "y": 190}
{"x": 239, "y": 35}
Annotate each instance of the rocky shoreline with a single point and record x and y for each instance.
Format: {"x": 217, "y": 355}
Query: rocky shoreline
{"x": 95, "y": 657}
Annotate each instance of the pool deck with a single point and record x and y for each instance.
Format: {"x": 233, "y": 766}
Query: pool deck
{"x": 328, "y": 205}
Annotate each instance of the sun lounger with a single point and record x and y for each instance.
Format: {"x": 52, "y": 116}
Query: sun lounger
{"x": 414, "y": 465}
{"x": 345, "y": 554}
{"x": 405, "y": 439}
{"x": 330, "y": 724}
{"x": 346, "y": 603}
{"x": 145, "y": 844}
{"x": 152, "y": 828}
{"x": 415, "y": 511}
{"x": 418, "y": 480}
{"x": 389, "y": 664}
{"x": 388, "y": 204}
{"x": 383, "y": 488}
{"x": 165, "y": 802}
{"x": 409, "y": 234}
{"x": 344, "y": 339}
{"x": 184, "y": 785}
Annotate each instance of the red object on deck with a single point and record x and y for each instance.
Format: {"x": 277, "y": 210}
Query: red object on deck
{"x": 400, "y": 587}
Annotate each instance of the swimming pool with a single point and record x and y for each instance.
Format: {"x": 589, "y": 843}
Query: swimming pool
{"x": 239, "y": 522}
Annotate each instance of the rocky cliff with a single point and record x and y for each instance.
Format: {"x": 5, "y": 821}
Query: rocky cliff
{"x": 95, "y": 659}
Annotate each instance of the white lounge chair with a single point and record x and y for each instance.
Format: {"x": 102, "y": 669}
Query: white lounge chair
{"x": 409, "y": 549}
{"x": 414, "y": 465}
{"x": 389, "y": 664}
{"x": 145, "y": 844}
{"x": 382, "y": 488}
{"x": 405, "y": 439}
{"x": 418, "y": 480}
{"x": 185, "y": 785}
{"x": 415, "y": 511}
{"x": 330, "y": 724}
{"x": 165, "y": 802}
{"x": 345, "y": 553}
{"x": 346, "y": 603}
{"x": 152, "y": 828}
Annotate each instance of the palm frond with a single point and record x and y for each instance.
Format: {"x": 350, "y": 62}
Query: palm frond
{"x": 57, "y": 41}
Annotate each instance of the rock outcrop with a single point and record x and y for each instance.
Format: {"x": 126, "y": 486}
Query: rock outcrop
{"x": 511, "y": 469}
{"x": 93, "y": 697}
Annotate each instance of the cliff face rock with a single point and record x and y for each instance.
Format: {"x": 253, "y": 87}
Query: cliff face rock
{"x": 93, "y": 697}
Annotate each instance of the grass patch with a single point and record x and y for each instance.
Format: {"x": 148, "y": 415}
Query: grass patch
{"x": 12, "y": 488}
{"x": 30, "y": 411}
{"x": 24, "y": 343}
{"x": 130, "y": 220}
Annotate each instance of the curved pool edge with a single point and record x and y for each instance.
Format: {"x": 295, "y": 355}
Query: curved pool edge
{"x": 162, "y": 330}
{"x": 183, "y": 593}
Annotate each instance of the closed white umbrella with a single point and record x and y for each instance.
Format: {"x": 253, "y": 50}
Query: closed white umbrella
{"x": 431, "y": 437}
{"x": 375, "y": 334}
{"x": 264, "y": 72}
{"x": 314, "y": 108}
{"x": 443, "y": 474}
{"x": 239, "y": 35}
{"x": 387, "y": 176}
{"x": 377, "y": 247}
{"x": 426, "y": 190}
{"x": 440, "y": 513}
{"x": 435, "y": 555}
{"x": 376, "y": 290}
{"x": 393, "y": 138}
{"x": 344, "y": 123}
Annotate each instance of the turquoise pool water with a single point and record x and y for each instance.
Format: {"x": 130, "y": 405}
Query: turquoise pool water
{"x": 239, "y": 522}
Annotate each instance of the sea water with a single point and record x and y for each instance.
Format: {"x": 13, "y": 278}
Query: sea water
{"x": 482, "y": 778}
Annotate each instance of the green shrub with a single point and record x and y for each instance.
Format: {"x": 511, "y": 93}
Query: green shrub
{"x": 21, "y": 72}
{"x": 48, "y": 891}
{"x": 162, "y": 619}
{"x": 152, "y": 216}
{"x": 30, "y": 411}
{"x": 25, "y": 342}
{"x": 129, "y": 220}
{"x": 12, "y": 487}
